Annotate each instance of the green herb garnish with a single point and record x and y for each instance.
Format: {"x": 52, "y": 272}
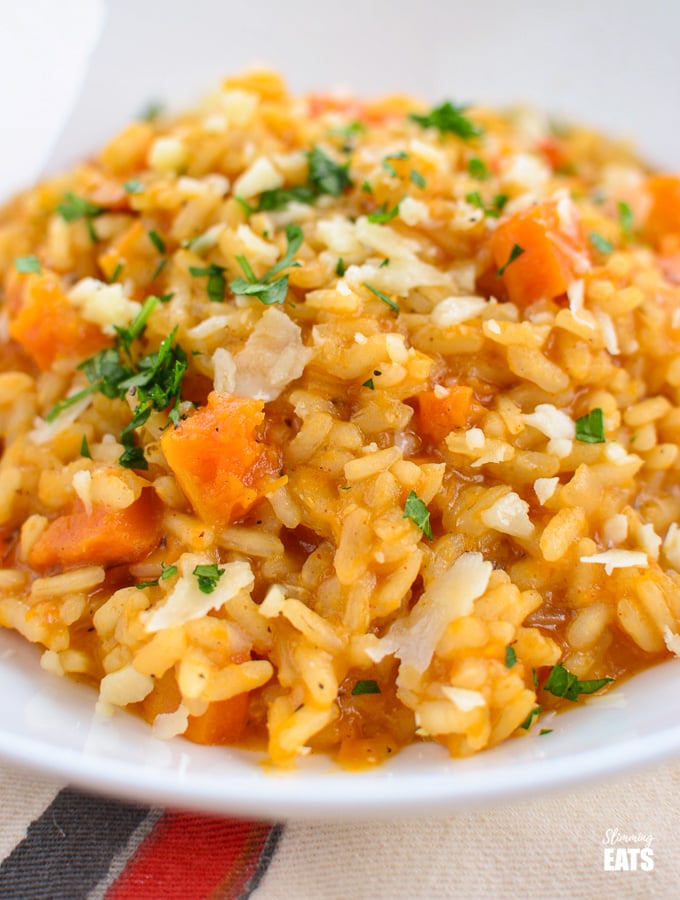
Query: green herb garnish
{"x": 384, "y": 214}
{"x": 133, "y": 186}
{"x": 72, "y": 208}
{"x": 385, "y": 299}
{"x": 545, "y": 731}
{"x": 365, "y": 687}
{"x": 417, "y": 179}
{"x": 217, "y": 283}
{"x": 510, "y": 656}
{"x": 601, "y": 244}
{"x": 279, "y": 198}
{"x": 369, "y": 383}
{"x": 366, "y": 187}
{"x": 116, "y": 272}
{"x": 416, "y": 510}
{"x": 325, "y": 175}
{"x": 84, "y": 448}
{"x": 448, "y": 118}
{"x": 340, "y": 267}
{"x": 563, "y": 683}
{"x": 207, "y": 577}
{"x": 625, "y": 219}
{"x": 387, "y": 165}
{"x": 152, "y": 111}
{"x": 26, "y": 264}
{"x": 477, "y": 168}
{"x": 515, "y": 253}
{"x": 529, "y": 721}
{"x": 167, "y": 571}
{"x": 590, "y": 428}
{"x": 157, "y": 241}
{"x": 155, "y": 380}
{"x": 494, "y": 209}
{"x": 268, "y": 289}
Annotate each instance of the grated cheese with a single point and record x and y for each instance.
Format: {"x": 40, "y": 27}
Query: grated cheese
{"x": 617, "y": 559}
{"x": 509, "y": 515}
{"x": 544, "y": 488}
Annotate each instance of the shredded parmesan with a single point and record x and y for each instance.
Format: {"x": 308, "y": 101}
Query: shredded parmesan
{"x": 617, "y": 559}
{"x": 509, "y": 515}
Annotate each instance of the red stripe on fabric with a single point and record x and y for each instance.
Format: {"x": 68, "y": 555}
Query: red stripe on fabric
{"x": 189, "y": 857}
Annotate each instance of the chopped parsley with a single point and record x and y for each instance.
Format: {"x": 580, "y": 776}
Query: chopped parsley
{"x": 416, "y": 510}
{"x": 515, "y": 253}
{"x": 369, "y": 383}
{"x": 545, "y": 731}
{"x": 529, "y": 721}
{"x": 84, "y": 448}
{"x": 385, "y": 299}
{"x": 448, "y": 118}
{"x": 417, "y": 179}
{"x": 387, "y": 165}
{"x": 340, "y": 267}
{"x": 279, "y": 198}
{"x": 133, "y": 186}
{"x": 325, "y": 175}
{"x": 167, "y": 572}
{"x": 207, "y": 577}
{"x": 154, "y": 380}
{"x": 217, "y": 283}
{"x": 26, "y": 264}
{"x": 159, "y": 268}
{"x": 157, "y": 241}
{"x": 245, "y": 206}
{"x": 494, "y": 209}
{"x": 625, "y": 219}
{"x": 601, "y": 244}
{"x": 477, "y": 168}
{"x": 384, "y": 263}
{"x": 563, "y": 683}
{"x": 348, "y": 131}
{"x": 365, "y": 687}
{"x": 366, "y": 187}
{"x": 268, "y": 289}
{"x": 72, "y": 208}
{"x": 384, "y": 214}
{"x": 510, "y": 656}
{"x": 152, "y": 111}
{"x": 590, "y": 428}
{"x": 116, "y": 272}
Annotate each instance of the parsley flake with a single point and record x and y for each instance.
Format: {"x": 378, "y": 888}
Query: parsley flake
{"x": 477, "y": 168}
{"x": 365, "y": 687}
{"x": 529, "y": 721}
{"x": 84, "y": 448}
{"x": 154, "y": 380}
{"x": 340, "y": 267}
{"x": 217, "y": 283}
{"x": 167, "y": 571}
{"x": 115, "y": 275}
{"x": 207, "y": 577}
{"x": 625, "y": 219}
{"x": 133, "y": 186}
{"x": 325, "y": 175}
{"x": 369, "y": 383}
{"x": 601, "y": 244}
{"x": 494, "y": 209}
{"x": 416, "y": 510}
{"x": 28, "y": 264}
{"x": 385, "y": 299}
{"x": 384, "y": 214}
{"x": 417, "y": 179}
{"x": 448, "y": 118}
{"x": 510, "y": 656}
{"x": 366, "y": 187}
{"x": 279, "y": 198}
{"x": 590, "y": 428}
{"x": 387, "y": 165}
{"x": 152, "y": 111}
{"x": 73, "y": 207}
{"x": 157, "y": 241}
{"x": 545, "y": 731}
{"x": 515, "y": 253}
{"x": 563, "y": 683}
{"x": 269, "y": 290}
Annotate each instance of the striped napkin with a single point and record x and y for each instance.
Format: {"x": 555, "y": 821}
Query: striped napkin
{"x": 58, "y": 843}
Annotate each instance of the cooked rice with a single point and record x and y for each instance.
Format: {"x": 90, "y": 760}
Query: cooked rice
{"x": 253, "y": 560}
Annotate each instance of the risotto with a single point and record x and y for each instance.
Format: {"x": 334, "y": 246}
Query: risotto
{"x": 331, "y": 425}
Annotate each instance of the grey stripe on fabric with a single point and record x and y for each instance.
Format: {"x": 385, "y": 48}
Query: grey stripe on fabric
{"x": 263, "y": 863}
{"x": 68, "y": 850}
{"x": 121, "y": 859}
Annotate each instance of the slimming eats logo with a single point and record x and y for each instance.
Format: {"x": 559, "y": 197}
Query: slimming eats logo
{"x": 627, "y": 852}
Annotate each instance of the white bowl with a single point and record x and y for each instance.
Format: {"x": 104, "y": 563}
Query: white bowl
{"x": 614, "y": 64}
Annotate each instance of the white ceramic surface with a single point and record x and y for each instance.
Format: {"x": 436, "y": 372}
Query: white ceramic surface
{"x": 613, "y": 62}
